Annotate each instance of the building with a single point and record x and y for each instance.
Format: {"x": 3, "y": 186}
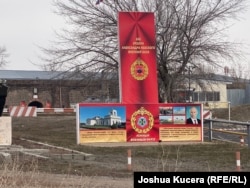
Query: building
{"x": 56, "y": 89}
{"x": 45, "y": 89}
{"x": 108, "y": 120}
{"x": 217, "y": 91}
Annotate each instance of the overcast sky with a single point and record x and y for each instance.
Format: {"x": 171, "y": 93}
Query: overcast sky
{"x": 27, "y": 23}
{"x": 24, "y": 24}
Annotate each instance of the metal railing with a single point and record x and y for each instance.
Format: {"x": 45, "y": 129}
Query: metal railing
{"x": 211, "y": 129}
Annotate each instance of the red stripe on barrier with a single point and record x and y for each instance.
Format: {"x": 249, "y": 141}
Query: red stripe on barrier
{"x": 49, "y": 110}
{"x": 206, "y": 114}
{"x": 68, "y": 110}
{"x": 15, "y": 113}
{"x": 25, "y": 109}
{"x": 33, "y": 112}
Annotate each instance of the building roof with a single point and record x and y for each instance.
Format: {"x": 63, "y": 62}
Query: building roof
{"x": 56, "y": 75}
{"x": 28, "y": 75}
{"x": 49, "y": 75}
{"x": 225, "y": 78}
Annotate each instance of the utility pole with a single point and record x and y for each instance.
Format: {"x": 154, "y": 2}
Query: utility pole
{"x": 189, "y": 84}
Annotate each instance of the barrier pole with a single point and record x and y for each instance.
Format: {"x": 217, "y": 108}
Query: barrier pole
{"x": 238, "y": 161}
{"x": 129, "y": 160}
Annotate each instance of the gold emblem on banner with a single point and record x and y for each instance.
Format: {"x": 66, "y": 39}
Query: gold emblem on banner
{"x": 142, "y": 120}
{"x": 139, "y": 69}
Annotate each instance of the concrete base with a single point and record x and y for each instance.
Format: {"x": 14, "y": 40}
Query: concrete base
{"x": 5, "y": 131}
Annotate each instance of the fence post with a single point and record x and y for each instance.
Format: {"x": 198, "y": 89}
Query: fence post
{"x": 210, "y": 131}
{"x": 129, "y": 160}
{"x": 248, "y": 136}
{"x": 237, "y": 161}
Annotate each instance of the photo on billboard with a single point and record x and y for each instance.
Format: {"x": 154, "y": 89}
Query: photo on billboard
{"x": 166, "y": 115}
{"x": 193, "y": 115}
{"x": 102, "y": 117}
{"x": 179, "y": 114}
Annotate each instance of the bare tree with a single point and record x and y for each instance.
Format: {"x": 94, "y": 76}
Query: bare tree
{"x": 189, "y": 34}
{"x": 3, "y": 56}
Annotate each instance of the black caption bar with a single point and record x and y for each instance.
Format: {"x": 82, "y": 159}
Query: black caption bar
{"x": 194, "y": 179}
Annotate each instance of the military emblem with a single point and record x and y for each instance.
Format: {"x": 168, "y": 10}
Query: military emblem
{"x": 142, "y": 120}
{"x": 139, "y": 69}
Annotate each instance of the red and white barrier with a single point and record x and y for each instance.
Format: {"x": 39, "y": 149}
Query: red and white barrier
{"x": 47, "y": 110}
{"x": 23, "y": 111}
{"x": 207, "y": 114}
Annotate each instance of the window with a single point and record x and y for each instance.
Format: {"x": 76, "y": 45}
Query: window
{"x": 206, "y": 96}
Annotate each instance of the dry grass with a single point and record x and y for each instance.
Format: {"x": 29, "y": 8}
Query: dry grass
{"x": 18, "y": 179}
{"x": 16, "y": 175}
